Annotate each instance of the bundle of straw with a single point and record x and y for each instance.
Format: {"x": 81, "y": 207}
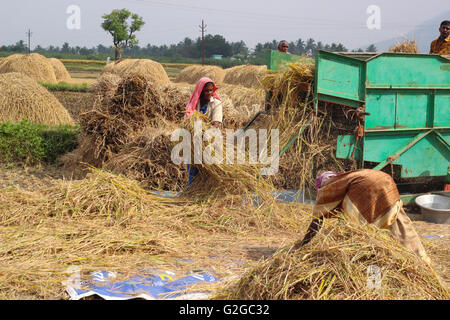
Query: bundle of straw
{"x": 117, "y": 132}
{"x": 227, "y": 177}
{"x": 193, "y": 73}
{"x": 245, "y": 101}
{"x": 146, "y": 158}
{"x": 21, "y": 98}
{"x": 135, "y": 104}
{"x": 246, "y": 75}
{"x": 60, "y": 70}
{"x": 292, "y": 112}
{"x": 150, "y": 69}
{"x": 406, "y": 46}
{"x": 106, "y": 84}
{"x": 32, "y": 65}
{"x": 338, "y": 264}
{"x": 108, "y": 222}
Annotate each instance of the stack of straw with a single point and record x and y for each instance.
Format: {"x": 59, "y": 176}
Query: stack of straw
{"x": 341, "y": 263}
{"x": 406, "y": 46}
{"x": 21, "y": 98}
{"x": 61, "y": 73}
{"x": 192, "y": 74}
{"x": 291, "y": 110}
{"x": 32, "y": 65}
{"x": 147, "y": 68}
{"x": 128, "y": 130}
{"x": 221, "y": 178}
{"x": 247, "y": 75}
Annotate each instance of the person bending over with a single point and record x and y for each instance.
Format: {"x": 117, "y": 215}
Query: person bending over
{"x": 365, "y": 196}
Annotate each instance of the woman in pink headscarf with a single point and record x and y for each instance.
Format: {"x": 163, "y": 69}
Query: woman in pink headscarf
{"x": 204, "y": 99}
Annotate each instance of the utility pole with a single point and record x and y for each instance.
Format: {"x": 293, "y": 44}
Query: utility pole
{"x": 29, "y": 33}
{"x": 203, "y": 30}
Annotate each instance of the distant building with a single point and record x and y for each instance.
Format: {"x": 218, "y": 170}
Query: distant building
{"x": 217, "y": 56}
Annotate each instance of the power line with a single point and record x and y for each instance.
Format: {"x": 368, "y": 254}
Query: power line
{"x": 307, "y": 21}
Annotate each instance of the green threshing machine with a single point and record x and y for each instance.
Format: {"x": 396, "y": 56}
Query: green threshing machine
{"x": 403, "y": 101}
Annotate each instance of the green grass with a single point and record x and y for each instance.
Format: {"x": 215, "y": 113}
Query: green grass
{"x": 63, "y": 86}
{"x": 29, "y": 143}
{"x": 83, "y": 66}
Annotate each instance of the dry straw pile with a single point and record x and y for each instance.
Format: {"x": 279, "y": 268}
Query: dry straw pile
{"x": 406, "y": 46}
{"x": 23, "y": 98}
{"x": 108, "y": 222}
{"x": 247, "y": 100}
{"x": 33, "y": 65}
{"x": 146, "y": 158}
{"x": 307, "y": 138}
{"x": 192, "y": 74}
{"x": 218, "y": 178}
{"x": 248, "y": 75}
{"x": 106, "y": 84}
{"x": 336, "y": 265}
{"x": 128, "y": 130}
{"x": 61, "y": 73}
{"x": 150, "y": 69}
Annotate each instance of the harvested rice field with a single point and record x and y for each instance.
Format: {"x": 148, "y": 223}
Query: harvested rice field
{"x": 41, "y": 238}
{"x": 96, "y": 207}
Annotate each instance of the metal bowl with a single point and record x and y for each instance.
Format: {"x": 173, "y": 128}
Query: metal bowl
{"x": 435, "y": 208}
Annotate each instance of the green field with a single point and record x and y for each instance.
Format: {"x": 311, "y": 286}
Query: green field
{"x": 92, "y": 68}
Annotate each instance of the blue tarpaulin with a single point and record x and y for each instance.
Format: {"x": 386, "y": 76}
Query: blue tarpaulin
{"x": 149, "y": 285}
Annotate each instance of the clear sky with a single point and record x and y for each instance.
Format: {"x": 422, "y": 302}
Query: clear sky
{"x": 170, "y": 21}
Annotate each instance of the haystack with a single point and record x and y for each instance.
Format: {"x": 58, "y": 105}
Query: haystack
{"x": 23, "y": 98}
{"x": 193, "y": 73}
{"x": 246, "y": 102}
{"x": 221, "y": 178}
{"x": 406, "y": 46}
{"x": 147, "y": 68}
{"x": 146, "y": 158}
{"x": 32, "y": 65}
{"x": 106, "y": 84}
{"x": 342, "y": 262}
{"x": 61, "y": 72}
{"x": 310, "y": 138}
{"x": 112, "y": 132}
{"x": 248, "y": 75}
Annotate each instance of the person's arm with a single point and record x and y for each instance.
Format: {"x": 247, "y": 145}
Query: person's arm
{"x": 217, "y": 115}
{"x": 313, "y": 228}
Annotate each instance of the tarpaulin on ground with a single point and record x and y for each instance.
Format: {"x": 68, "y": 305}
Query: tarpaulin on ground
{"x": 149, "y": 285}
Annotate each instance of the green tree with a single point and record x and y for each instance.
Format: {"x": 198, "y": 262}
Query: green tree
{"x": 371, "y": 48}
{"x": 310, "y": 47}
{"x": 65, "y": 48}
{"x": 122, "y": 29}
{"x": 239, "y": 48}
{"x": 215, "y": 45}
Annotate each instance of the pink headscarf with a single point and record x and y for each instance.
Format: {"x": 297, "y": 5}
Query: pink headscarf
{"x": 192, "y": 104}
{"x": 321, "y": 179}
